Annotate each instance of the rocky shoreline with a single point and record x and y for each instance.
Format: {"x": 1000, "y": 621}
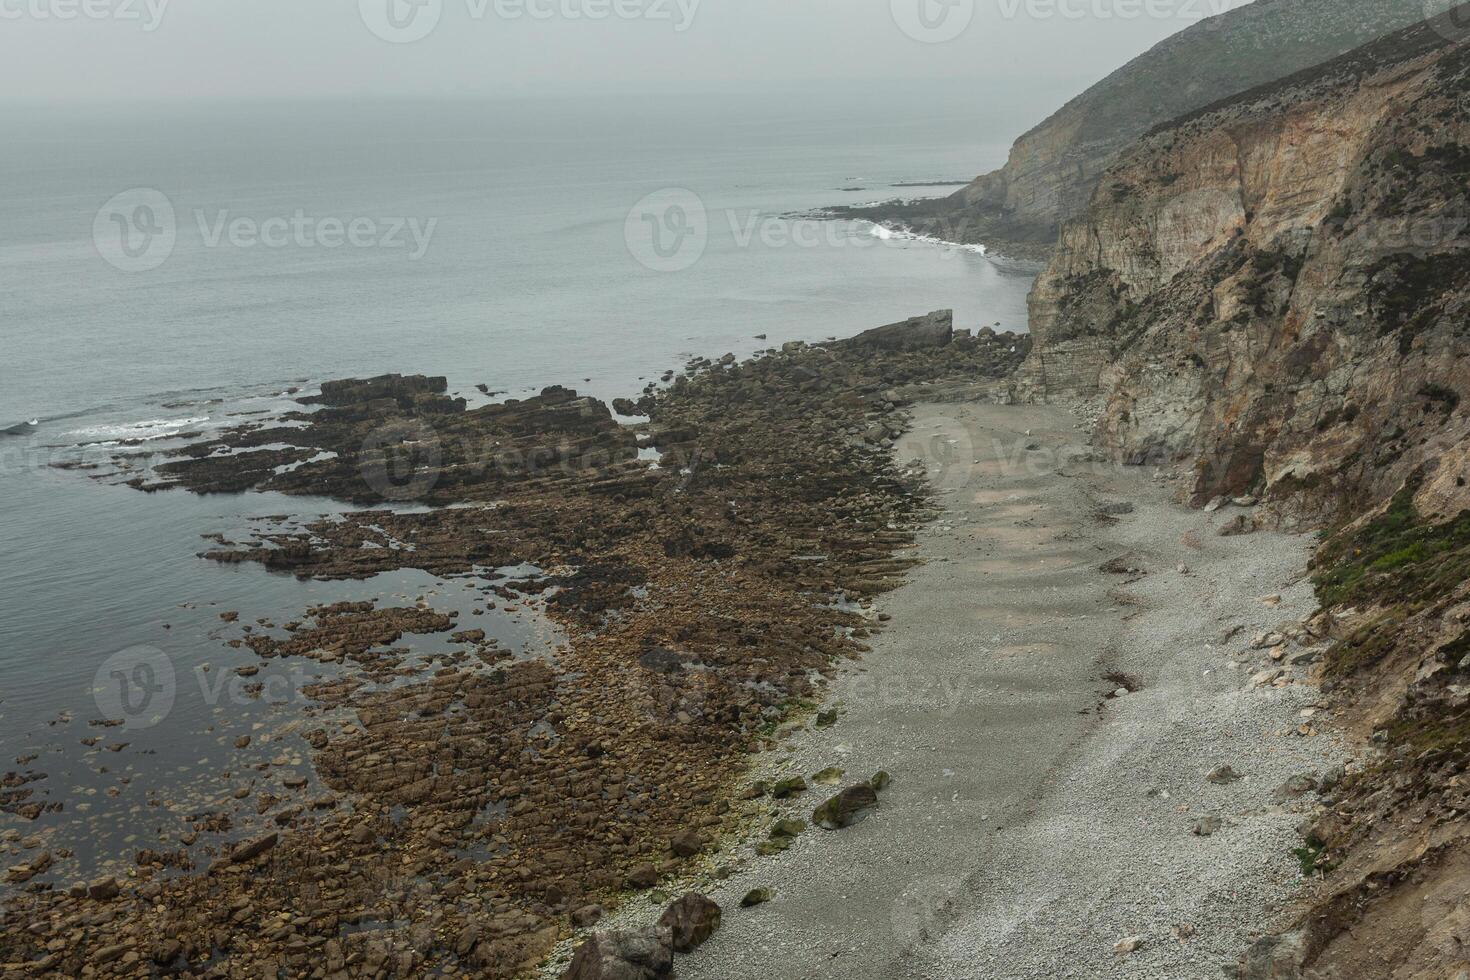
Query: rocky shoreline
{"x": 487, "y": 801}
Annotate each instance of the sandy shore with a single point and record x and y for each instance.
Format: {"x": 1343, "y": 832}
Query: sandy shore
{"x": 1035, "y": 820}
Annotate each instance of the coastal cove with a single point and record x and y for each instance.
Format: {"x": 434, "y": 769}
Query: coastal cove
{"x": 531, "y": 282}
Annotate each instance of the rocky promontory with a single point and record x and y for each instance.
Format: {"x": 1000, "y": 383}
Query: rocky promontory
{"x": 1053, "y": 169}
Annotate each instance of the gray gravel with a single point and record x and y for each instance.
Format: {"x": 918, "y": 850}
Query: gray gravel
{"x": 1036, "y": 819}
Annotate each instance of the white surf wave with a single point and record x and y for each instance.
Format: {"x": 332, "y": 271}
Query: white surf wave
{"x": 886, "y": 233}
{"x": 145, "y": 430}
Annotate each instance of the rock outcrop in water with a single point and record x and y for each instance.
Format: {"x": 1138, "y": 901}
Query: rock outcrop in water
{"x": 1053, "y": 169}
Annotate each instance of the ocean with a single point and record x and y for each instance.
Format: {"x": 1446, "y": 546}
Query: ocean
{"x": 175, "y": 269}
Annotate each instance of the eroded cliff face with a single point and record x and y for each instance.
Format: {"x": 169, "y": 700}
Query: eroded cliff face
{"x": 1053, "y": 170}
{"x": 1272, "y": 298}
{"x": 1276, "y": 289}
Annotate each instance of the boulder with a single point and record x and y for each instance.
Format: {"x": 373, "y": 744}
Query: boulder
{"x": 691, "y": 921}
{"x": 757, "y": 896}
{"x": 645, "y": 954}
{"x": 641, "y": 877}
{"x": 686, "y": 844}
{"x": 846, "y": 808}
{"x": 587, "y": 916}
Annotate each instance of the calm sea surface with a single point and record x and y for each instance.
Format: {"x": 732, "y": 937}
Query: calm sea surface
{"x": 166, "y": 270}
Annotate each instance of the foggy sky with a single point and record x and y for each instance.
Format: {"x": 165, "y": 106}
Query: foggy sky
{"x": 145, "y": 50}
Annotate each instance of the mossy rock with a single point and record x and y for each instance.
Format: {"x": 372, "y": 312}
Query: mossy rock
{"x": 788, "y": 828}
{"x": 787, "y": 788}
{"x": 830, "y": 776}
{"x": 757, "y": 896}
{"x": 827, "y": 718}
{"x": 880, "y": 781}
{"x": 846, "y": 808}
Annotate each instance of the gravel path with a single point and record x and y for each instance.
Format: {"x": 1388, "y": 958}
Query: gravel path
{"x": 1036, "y": 818}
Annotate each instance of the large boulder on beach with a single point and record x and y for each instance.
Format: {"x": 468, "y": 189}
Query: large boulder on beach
{"x": 646, "y": 954}
{"x": 691, "y": 921}
{"x": 916, "y": 333}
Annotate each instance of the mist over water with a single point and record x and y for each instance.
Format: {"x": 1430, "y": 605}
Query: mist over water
{"x": 493, "y": 238}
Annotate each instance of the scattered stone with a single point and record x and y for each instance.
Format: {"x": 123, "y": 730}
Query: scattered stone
{"x": 787, "y": 788}
{"x": 587, "y": 916}
{"x": 757, "y": 896}
{"x": 1124, "y": 947}
{"x": 846, "y": 808}
{"x": 687, "y": 844}
{"x": 642, "y": 878}
{"x": 250, "y": 850}
{"x": 104, "y": 890}
{"x": 643, "y": 955}
{"x": 788, "y": 829}
{"x": 691, "y": 921}
{"x": 1207, "y": 826}
{"x": 1266, "y": 640}
{"x": 880, "y": 781}
{"x": 1296, "y": 787}
{"x": 1223, "y": 775}
{"x": 830, "y": 776}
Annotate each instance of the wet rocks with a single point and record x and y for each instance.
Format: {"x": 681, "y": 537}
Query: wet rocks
{"x": 402, "y": 390}
{"x": 250, "y": 850}
{"x": 846, "y": 808}
{"x": 690, "y": 921}
{"x": 104, "y": 890}
{"x": 480, "y": 802}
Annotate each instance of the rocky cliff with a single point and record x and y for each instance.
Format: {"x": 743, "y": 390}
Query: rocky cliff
{"x": 1053, "y": 169}
{"x": 1276, "y": 288}
{"x": 1271, "y": 297}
